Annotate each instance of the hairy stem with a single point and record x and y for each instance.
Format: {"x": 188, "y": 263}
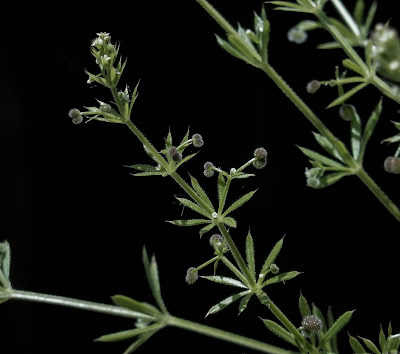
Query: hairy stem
{"x": 226, "y": 336}
{"x": 75, "y": 303}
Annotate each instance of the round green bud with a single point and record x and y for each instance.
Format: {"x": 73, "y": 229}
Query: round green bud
{"x": 217, "y": 242}
{"x": 208, "y": 169}
{"x": 197, "y": 140}
{"x": 191, "y": 275}
{"x": 260, "y": 155}
{"x": 313, "y": 86}
{"x": 105, "y": 108}
{"x": 175, "y": 155}
{"x": 311, "y": 324}
{"x": 274, "y": 268}
{"x": 392, "y": 165}
{"x": 347, "y": 111}
{"x": 297, "y": 35}
{"x": 76, "y": 115}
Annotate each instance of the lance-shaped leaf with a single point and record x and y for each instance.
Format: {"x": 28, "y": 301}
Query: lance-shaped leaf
{"x": 336, "y": 327}
{"x": 332, "y": 178}
{"x": 5, "y": 258}
{"x": 330, "y": 322}
{"x": 200, "y": 192}
{"x": 315, "y": 156}
{"x": 355, "y": 133}
{"x": 342, "y": 99}
{"x": 356, "y": 345}
{"x": 271, "y": 258}
{"x": 139, "y": 342}
{"x": 224, "y": 280}
{"x": 242, "y": 175}
{"x": 226, "y": 302}
{"x": 327, "y": 145}
{"x": 131, "y": 304}
{"x": 250, "y": 255}
{"x": 303, "y": 306}
{"x": 190, "y": 222}
{"x": 244, "y": 302}
{"x": 232, "y": 50}
{"x": 185, "y": 159}
{"x": 382, "y": 340}
{"x": 279, "y": 331}
{"x": 188, "y": 203}
{"x": 370, "y": 345}
{"x": 221, "y": 185}
{"x": 130, "y": 333}
{"x": 370, "y": 127}
{"x": 238, "y": 203}
{"x": 281, "y": 278}
{"x": 153, "y": 280}
{"x": 207, "y": 228}
{"x": 231, "y": 222}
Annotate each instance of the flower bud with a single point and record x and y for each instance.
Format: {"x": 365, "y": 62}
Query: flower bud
{"x": 76, "y": 115}
{"x": 105, "y": 108}
{"x": 197, "y": 140}
{"x": 260, "y": 155}
{"x": 191, "y": 275}
{"x": 311, "y": 324}
{"x": 175, "y": 155}
{"x": 347, "y": 111}
{"x": 392, "y": 165}
{"x": 217, "y": 242}
{"x": 208, "y": 169}
{"x": 313, "y": 86}
{"x": 297, "y": 35}
{"x": 274, "y": 268}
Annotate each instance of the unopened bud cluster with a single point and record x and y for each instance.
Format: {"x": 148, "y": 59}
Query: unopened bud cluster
{"x": 175, "y": 154}
{"x": 208, "y": 169}
{"x": 313, "y": 177}
{"x": 274, "y": 268}
{"x": 310, "y": 325}
{"x": 75, "y": 115}
{"x": 392, "y": 165}
{"x": 313, "y": 86}
{"x": 103, "y": 49}
{"x": 297, "y": 35}
{"x": 386, "y": 51}
{"x": 191, "y": 275}
{"x": 218, "y": 243}
{"x": 197, "y": 140}
{"x": 260, "y": 155}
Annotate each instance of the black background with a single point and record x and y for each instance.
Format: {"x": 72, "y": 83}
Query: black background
{"x": 76, "y": 220}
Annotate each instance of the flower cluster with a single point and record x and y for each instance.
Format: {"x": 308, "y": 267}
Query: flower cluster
{"x": 386, "y": 51}
{"x": 260, "y": 155}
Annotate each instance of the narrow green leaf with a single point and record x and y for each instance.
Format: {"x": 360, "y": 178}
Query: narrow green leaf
{"x": 221, "y": 184}
{"x": 332, "y": 178}
{"x": 303, "y": 306}
{"x": 231, "y": 222}
{"x": 226, "y": 302}
{"x": 123, "y": 335}
{"x": 188, "y": 203}
{"x": 152, "y": 278}
{"x": 138, "y": 343}
{"x": 168, "y": 140}
{"x": 320, "y": 158}
{"x": 342, "y": 99}
{"x": 263, "y": 49}
{"x": 5, "y": 258}
{"x": 281, "y": 278}
{"x": 285, "y": 3}
{"x": 131, "y": 304}
{"x": 370, "y": 127}
{"x": 186, "y": 159}
{"x": 370, "y": 345}
{"x": 238, "y": 203}
{"x": 327, "y": 145}
{"x": 359, "y": 12}
{"x": 200, "y": 192}
{"x": 205, "y": 229}
{"x": 331, "y": 321}
{"x": 370, "y": 16}
{"x": 382, "y": 339}
{"x": 185, "y": 138}
{"x": 244, "y": 302}
{"x": 134, "y": 96}
{"x": 250, "y": 255}
{"x": 349, "y": 64}
{"x": 278, "y": 330}
{"x": 336, "y": 327}
{"x": 356, "y": 345}
{"x": 190, "y": 222}
{"x": 393, "y": 343}
{"x": 271, "y": 257}
{"x": 144, "y": 174}
{"x": 224, "y": 280}
{"x": 232, "y": 50}
{"x": 355, "y": 132}
{"x": 144, "y": 168}
{"x": 243, "y": 176}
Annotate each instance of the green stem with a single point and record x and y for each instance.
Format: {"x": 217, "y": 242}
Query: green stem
{"x": 374, "y": 188}
{"x": 234, "y": 270}
{"x": 226, "y": 336}
{"x": 75, "y": 303}
{"x": 236, "y": 255}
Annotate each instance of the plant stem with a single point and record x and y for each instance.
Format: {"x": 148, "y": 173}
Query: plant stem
{"x": 383, "y": 198}
{"x": 226, "y": 336}
{"x": 76, "y": 303}
{"x": 236, "y": 255}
